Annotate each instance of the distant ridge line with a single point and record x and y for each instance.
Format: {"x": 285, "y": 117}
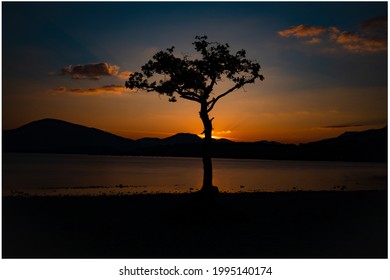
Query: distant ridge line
{"x": 58, "y": 136}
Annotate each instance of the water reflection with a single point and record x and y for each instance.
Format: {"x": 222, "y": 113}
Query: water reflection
{"x": 108, "y": 175}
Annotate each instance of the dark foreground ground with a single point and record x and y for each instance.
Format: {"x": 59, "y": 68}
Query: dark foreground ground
{"x": 260, "y": 225}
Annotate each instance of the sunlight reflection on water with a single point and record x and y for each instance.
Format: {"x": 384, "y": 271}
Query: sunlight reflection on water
{"x": 53, "y": 174}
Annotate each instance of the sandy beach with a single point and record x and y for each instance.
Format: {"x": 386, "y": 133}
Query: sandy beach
{"x": 326, "y": 224}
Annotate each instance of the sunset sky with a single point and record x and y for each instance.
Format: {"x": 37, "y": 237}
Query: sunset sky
{"x": 325, "y": 66}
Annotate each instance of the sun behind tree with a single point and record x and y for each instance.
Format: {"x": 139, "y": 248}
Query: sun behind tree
{"x": 195, "y": 80}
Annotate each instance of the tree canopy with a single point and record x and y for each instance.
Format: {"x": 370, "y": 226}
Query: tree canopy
{"x": 194, "y": 79}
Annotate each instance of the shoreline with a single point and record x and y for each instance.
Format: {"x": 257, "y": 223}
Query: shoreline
{"x": 296, "y": 224}
{"x": 190, "y": 192}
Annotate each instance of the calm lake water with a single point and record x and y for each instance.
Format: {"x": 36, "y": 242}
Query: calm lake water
{"x": 53, "y": 174}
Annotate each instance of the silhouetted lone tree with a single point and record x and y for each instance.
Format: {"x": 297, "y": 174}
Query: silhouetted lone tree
{"x": 195, "y": 80}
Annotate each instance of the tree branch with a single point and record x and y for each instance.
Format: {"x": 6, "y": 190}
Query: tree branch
{"x": 192, "y": 98}
{"x": 212, "y": 83}
{"x": 188, "y": 95}
{"x": 212, "y": 102}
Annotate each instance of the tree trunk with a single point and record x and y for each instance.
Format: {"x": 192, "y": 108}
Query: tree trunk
{"x": 206, "y": 152}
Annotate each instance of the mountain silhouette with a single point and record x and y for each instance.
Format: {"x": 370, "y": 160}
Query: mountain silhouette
{"x": 57, "y": 136}
{"x": 183, "y": 138}
{"x": 369, "y": 145}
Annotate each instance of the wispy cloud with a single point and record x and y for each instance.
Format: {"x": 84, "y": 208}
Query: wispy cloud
{"x": 124, "y": 75}
{"x": 372, "y": 36}
{"x": 60, "y": 89}
{"x": 94, "y": 71}
{"x": 314, "y": 40}
{"x": 302, "y": 31}
{"x": 337, "y": 126}
{"x": 223, "y": 132}
{"x": 103, "y": 90}
{"x": 377, "y": 25}
{"x": 357, "y": 43}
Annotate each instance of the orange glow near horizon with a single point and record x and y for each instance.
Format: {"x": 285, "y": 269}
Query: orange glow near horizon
{"x": 246, "y": 117}
{"x": 255, "y": 115}
{"x": 282, "y": 135}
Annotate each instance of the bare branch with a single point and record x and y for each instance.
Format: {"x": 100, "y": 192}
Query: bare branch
{"x": 212, "y": 102}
